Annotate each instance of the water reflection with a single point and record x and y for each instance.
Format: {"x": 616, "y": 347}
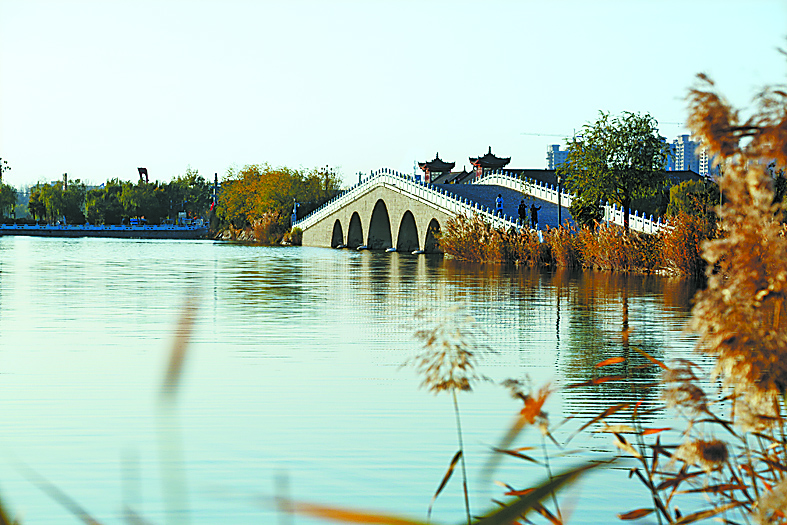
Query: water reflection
{"x": 554, "y": 326}
{"x": 614, "y": 315}
{"x": 296, "y": 357}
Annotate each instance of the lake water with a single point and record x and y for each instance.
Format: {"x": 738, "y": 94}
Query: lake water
{"x": 293, "y": 373}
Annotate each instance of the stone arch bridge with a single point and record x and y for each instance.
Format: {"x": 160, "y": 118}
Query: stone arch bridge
{"x": 391, "y": 210}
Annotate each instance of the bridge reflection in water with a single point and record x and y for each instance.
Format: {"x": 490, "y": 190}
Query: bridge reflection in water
{"x": 549, "y": 326}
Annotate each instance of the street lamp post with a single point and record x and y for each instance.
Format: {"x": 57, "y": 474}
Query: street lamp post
{"x": 559, "y": 191}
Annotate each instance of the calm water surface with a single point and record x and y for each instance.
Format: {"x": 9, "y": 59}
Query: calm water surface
{"x": 294, "y": 373}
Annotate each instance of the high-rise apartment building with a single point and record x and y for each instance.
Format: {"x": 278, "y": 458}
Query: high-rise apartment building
{"x": 707, "y": 169}
{"x": 555, "y": 156}
{"x": 684, "y": 155}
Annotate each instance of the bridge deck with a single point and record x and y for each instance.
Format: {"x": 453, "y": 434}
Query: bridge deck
{"x": 485, "y": 194}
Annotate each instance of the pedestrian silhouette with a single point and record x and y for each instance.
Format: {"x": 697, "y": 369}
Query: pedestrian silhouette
{"x": 522, "y": 210}
{"x": 534, "y": 215}
{"x": 499, "y": 205}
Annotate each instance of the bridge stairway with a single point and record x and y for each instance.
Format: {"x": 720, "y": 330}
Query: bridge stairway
{"x": 485, "y": 194}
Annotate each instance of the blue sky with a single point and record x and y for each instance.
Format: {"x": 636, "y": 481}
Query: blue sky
{"x": 98, "y": 88}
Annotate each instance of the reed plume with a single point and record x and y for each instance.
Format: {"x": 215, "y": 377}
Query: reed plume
{"x": 447, "y": 363}
{"x": 739, "y": 316}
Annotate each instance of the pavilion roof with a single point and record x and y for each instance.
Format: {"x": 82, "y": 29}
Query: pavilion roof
{"x": 436, "y": 165}
{"x": 490, "y": 160}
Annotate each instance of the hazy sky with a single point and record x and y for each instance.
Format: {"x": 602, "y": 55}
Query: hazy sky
{"x": 98, "y": 88}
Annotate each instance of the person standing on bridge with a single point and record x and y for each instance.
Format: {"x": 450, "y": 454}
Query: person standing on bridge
{"x": 499, "y": 205}
{"x": 534, "y": 215}
{"x": 522, "y": 210}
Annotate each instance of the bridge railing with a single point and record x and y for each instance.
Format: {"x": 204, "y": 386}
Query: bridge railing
{"x": 429, "y": 194}
{"x": 548, "y": 192}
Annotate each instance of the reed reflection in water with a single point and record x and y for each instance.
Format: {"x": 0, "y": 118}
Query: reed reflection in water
{"x": 294, "y": 367}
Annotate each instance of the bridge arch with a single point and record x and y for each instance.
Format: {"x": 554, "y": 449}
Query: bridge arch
{"x": 354, "y": 231}
{"x": 381, "y": 216}
{"x": 407, "y": 236}
{"x": 431, "y": 243}
{"x": 337, "y": 237}
{"x": 379, "y": 236}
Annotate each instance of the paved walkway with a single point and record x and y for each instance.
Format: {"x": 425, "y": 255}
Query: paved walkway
{"x": 485, "y": 194}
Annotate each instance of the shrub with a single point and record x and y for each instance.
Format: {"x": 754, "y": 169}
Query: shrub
{"x": 294, "y": 237}
{"x": 267, "y": 229}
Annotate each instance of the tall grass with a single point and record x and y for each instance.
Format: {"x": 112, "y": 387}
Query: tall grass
{"x": 609, "y": 247}
{"x": 605, "y": 247}
{"x": 681, "y": 248}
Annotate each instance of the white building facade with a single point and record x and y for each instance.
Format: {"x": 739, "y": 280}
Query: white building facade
{"x": 685, "y": 155}
{"x": 555, "y": 156}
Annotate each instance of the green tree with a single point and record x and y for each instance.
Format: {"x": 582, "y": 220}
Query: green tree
{"x": 693, "y": 197}
{"x": 102, "y": 204}
{"x": 259, "y": 191}
{"x": 615, "y": 159}
{"x": 189, "y": 192}
{"x": 3, "y": 168}
{"x": 7, "y": 199}
{"x": 779, "y": 182}
{"x": 52, "y": 202}
{"x": 35, "y": 205}
{"x": 73, "y": 202}
{"x": 45, "y": 201}
{"x": 144, "y": 199}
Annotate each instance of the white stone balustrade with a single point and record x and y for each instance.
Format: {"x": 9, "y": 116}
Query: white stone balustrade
{"x": 548, "y": 192}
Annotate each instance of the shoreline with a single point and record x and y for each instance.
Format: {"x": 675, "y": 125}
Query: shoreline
{"x": 122, "y": 232}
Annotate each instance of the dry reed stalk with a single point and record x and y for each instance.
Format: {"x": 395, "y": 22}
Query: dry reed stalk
{"x": 562, "y": 243}
{"x": 682, "y": 240}
{"x": 472, "y": 239}
{"x": 447, "y": 363}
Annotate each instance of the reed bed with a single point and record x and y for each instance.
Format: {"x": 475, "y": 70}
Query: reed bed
{"x": 606, "y": 247}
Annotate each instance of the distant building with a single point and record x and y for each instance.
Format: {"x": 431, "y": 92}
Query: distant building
{"x": 688, "y": 155}
{"x": 684, "y": 155}
{"x": 707, "y": 169}
{"x": 488, "y": 162}
{"x": 555, "y": 156}
{"x": 435, "y": 168}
